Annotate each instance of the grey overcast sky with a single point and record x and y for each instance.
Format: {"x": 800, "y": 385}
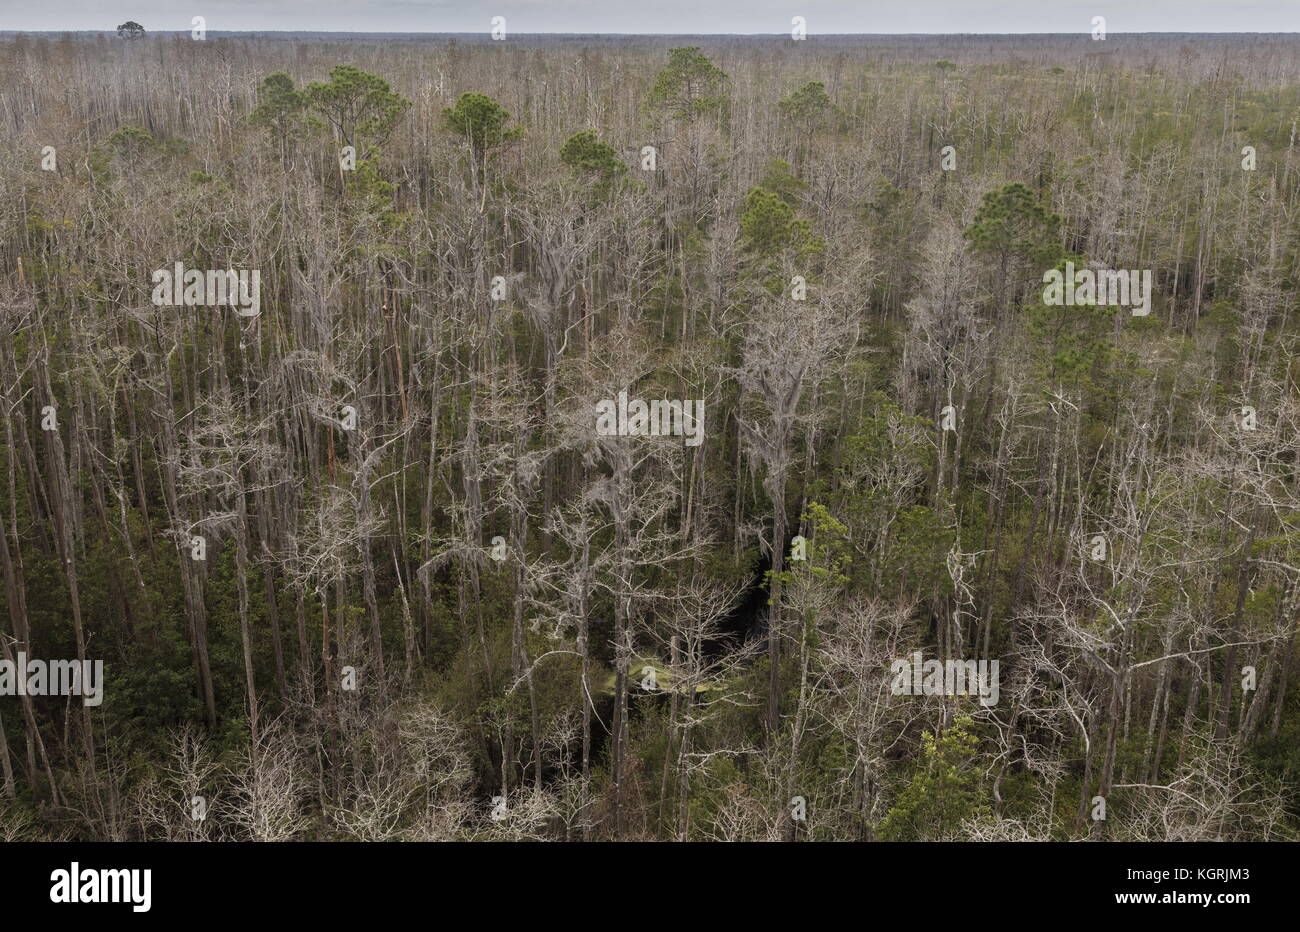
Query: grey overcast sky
{"x": 663, "y": 16}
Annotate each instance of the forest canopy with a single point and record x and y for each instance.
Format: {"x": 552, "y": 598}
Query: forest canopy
{"x": 618, "y": 439}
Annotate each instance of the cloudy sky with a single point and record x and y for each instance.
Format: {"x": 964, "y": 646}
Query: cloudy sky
{"x": 663, "y": 16}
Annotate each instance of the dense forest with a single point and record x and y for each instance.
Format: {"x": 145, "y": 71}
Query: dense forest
{"x": 391, "y": 550}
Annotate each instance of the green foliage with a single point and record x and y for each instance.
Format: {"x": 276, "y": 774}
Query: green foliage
{"x": 768, "y": 227}
{"x": 130, "y": 30}
{"x": 690, "y": 85}
{"x": 780, "y": 181}
{"x": 1075, "y": 339}
{"x": 1012, "y": 222}
{"x": 279, "y": 104}
{"x": 481, "y": 121}
{"x": 360, "y": 106}
{"x": 584, "y": 151}
{"x": 368, "y": 188}
{"x": 916, "y": 559}
{"x": 879, "y": 494}
{"x": 827, "y": 556}
{"x": 829, "y": 552}
{"x": 131, "y": 140}
{"x": 945, "y": 789}
{"x": 808, "y": 106}
{"x": 595, "y": 162}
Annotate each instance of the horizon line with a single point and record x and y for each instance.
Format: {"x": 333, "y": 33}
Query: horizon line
{"x": 649, "y": 35}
